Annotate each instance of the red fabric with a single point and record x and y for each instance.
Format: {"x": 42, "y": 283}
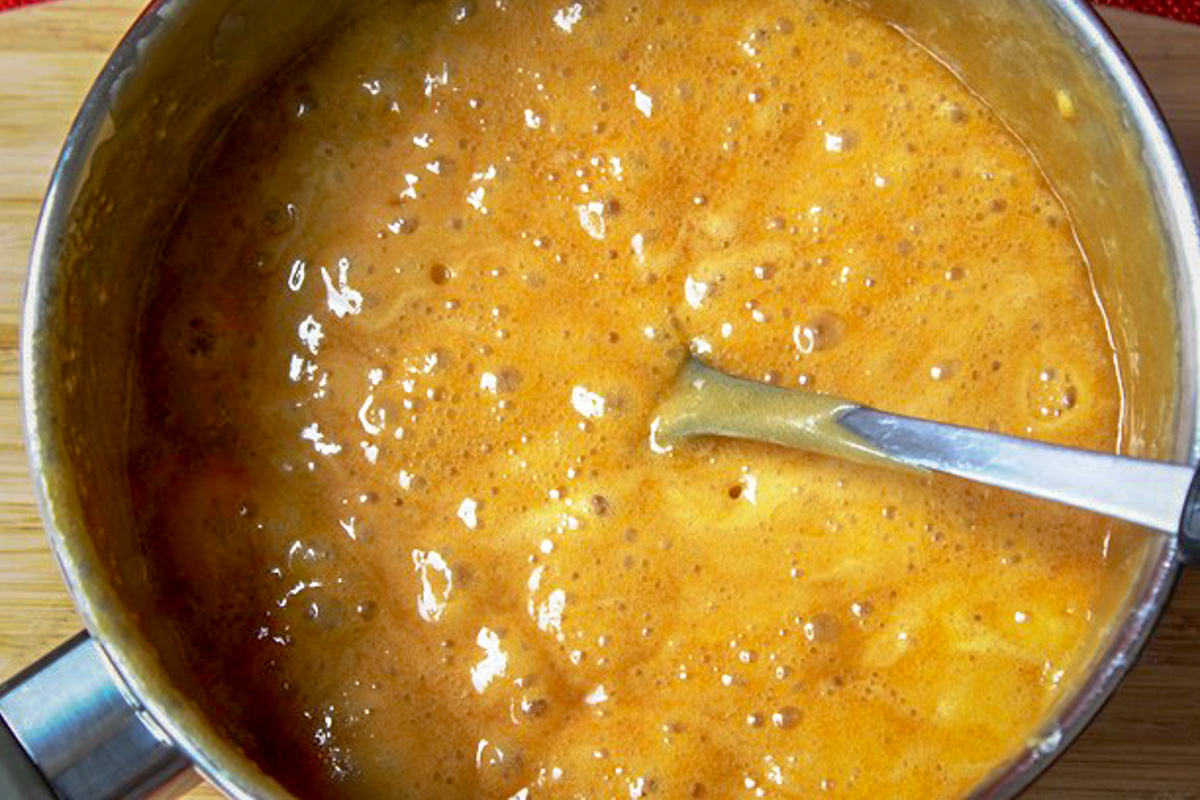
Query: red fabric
{"x": 1183, "y": 10}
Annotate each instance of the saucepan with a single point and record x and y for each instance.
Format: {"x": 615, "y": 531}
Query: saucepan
{"x": 110, "y": 713}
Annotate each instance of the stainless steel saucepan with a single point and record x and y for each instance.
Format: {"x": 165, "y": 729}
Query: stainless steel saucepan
{"x": 112, "y": 714}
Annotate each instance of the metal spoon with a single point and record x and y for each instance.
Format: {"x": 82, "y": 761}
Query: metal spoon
{"x": 706, "y": 402}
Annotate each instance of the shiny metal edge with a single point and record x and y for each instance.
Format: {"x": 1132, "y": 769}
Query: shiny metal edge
{"x": 211, "y": 755}
{"x": 82, "y": 731}
{"x": 1175, "y": 199}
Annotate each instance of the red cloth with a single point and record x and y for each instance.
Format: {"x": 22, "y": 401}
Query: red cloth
{"x": 1183, "y": 10}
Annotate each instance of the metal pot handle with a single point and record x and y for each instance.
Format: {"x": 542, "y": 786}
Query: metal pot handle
{"x": 69, "y": 731}
{"x": 1189, "y": 525}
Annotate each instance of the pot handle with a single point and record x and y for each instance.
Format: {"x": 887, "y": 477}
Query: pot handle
{"x": 1189, "y": 525}
{"x": 69, "y": 731}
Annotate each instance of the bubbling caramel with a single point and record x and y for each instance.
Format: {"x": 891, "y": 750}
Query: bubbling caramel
{"x": 398, "y": 367}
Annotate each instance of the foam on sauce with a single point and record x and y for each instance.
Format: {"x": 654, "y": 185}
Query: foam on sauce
{"x": 400, "y": 361}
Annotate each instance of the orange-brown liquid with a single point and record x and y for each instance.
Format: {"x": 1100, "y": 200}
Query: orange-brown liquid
{"x": 400, "y": 360}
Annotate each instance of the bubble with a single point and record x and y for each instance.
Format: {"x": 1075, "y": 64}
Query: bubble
{"x": 756, "y": 719}
{"x": 508, "y": 380}
{"x": 279, "y": 219}
{"x": 1065, "y": 103}
{"x": 953, "y": 112}
{"x": 944, "y": 370}
{"x": 404, "y": 225}
{"x": 441, "y": 165}
{"x": 535, "y": 707}
{"x": 440, "y": 274}
{"x": 841, "y": 142}
{"x": 202, "y": 338}
{"x": 786, "y": 717}
{"x": 861, "y": 609}
{"x": 823, "y": 628}
{"x": 1052, "y": 394}
{"x": 823, "y": 331}
{"x": 306, "y": 102}
{"x": 764, "y": 271}
{"x": 326, "y": 615}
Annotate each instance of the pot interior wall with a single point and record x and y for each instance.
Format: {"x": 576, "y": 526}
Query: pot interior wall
{"x": 168, "y": 91}
{"x": 124, "y": 172}
{"x": 1041, "y": 75}
{"x": 1036, "y": 72}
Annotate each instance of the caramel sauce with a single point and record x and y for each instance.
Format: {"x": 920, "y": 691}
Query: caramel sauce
{"x": 400, "y": 360}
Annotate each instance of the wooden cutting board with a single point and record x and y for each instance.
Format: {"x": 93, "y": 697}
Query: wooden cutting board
{"x": 1146, "y": 742}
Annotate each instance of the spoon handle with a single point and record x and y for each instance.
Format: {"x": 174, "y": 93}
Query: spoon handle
{"x": 1155, "y": 494}
{"x": 1150, "y": 493}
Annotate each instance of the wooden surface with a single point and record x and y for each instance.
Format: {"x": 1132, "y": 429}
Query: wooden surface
{"x": 1146, "y": 742}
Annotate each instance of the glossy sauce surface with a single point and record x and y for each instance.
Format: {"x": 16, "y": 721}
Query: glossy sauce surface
{"x": 399, "y": 365}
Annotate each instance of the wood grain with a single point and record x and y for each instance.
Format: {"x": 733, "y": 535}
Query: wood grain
{"x": 1146, "y": 742}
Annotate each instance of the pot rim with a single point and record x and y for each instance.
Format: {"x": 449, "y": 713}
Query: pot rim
{"x": 1170, "y": 182}
{"x": 213, "y": 756}
{"x": 224, "y": 763}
